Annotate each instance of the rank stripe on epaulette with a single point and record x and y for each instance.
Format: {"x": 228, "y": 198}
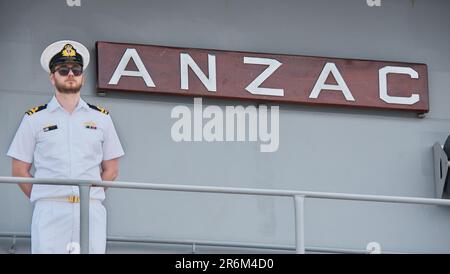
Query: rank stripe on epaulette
{"x": 102, "y": 110}
{"x": 36, "y": 109}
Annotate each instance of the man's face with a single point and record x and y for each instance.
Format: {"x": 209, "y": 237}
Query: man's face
{"x": 67, "y": 83}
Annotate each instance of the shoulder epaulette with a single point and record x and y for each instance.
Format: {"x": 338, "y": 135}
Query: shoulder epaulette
{"x": 102, "y": 110}
{"x": 36, "y": 109}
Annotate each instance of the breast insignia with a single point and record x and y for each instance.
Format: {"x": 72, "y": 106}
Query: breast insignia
{"x": 102, "y": 110}
{"x": 36, "y": 109}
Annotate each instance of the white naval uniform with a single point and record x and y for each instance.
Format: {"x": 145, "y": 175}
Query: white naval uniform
{"x": 66, "y": 146}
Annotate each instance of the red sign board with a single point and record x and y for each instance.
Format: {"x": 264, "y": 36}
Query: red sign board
{"x": 262, "y": 77}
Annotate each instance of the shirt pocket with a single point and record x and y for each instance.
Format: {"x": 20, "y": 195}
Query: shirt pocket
{"x": 91, "y": 141}
{"x": 50, "y": 141}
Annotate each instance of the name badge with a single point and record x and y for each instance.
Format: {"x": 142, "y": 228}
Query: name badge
{"x": 49, "y": 128}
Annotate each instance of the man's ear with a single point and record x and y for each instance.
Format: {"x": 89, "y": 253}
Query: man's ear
{"x": 52, "y": 78}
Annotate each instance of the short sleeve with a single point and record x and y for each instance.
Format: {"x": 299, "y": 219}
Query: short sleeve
{"x": 24, "y": 142}
{"x": 111, "y": 144}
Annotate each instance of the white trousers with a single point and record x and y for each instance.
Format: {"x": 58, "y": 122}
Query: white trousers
{"x": 55, "y": 227}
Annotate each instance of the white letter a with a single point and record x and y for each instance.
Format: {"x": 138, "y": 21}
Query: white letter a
{"x": 341, "y": 85}
{"x": 120, "y": 70}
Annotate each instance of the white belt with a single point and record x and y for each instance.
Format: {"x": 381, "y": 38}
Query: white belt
{"x": 68, "y": 199}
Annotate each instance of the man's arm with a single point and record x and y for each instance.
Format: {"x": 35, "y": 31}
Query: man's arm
{"x": 22, "y": 169}
{"x": 110, "y": 170}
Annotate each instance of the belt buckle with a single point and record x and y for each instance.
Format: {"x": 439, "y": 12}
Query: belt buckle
{"x": 73, "y": 199}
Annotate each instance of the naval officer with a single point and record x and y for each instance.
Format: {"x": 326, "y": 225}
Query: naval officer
{"x": 66, "y": 138}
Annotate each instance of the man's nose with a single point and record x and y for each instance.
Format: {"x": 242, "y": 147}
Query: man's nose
{"x": 71, "y": 73}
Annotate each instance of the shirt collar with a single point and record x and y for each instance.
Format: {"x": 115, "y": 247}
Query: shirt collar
{"x": 54, "y": 104}
{"x": 82, "y": 104}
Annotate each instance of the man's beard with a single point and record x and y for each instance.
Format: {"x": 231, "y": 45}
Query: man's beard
{"x": 67, "y": 90}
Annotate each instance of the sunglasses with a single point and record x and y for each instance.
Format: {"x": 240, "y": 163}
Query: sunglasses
{"x": 64, "y": 71}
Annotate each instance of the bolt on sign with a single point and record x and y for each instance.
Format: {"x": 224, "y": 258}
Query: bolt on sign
{"x": 262, "y": 77}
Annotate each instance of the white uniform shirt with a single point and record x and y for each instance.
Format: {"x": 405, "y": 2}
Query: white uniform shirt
{"x": 66, "y": 146}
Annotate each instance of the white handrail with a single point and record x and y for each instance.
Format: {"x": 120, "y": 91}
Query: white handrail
{"x": 298, "y": 197}
{"x": 231, "y": 190}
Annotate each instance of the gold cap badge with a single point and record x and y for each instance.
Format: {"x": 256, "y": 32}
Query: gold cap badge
{"x": 68, "y": 51}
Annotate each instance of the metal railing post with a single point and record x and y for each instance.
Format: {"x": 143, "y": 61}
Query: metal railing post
{"x": 299, "y": 202}
{"x": 84, "y": 218}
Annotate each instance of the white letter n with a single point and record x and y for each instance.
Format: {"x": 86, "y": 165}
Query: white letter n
{"x": 187, "y": 61}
